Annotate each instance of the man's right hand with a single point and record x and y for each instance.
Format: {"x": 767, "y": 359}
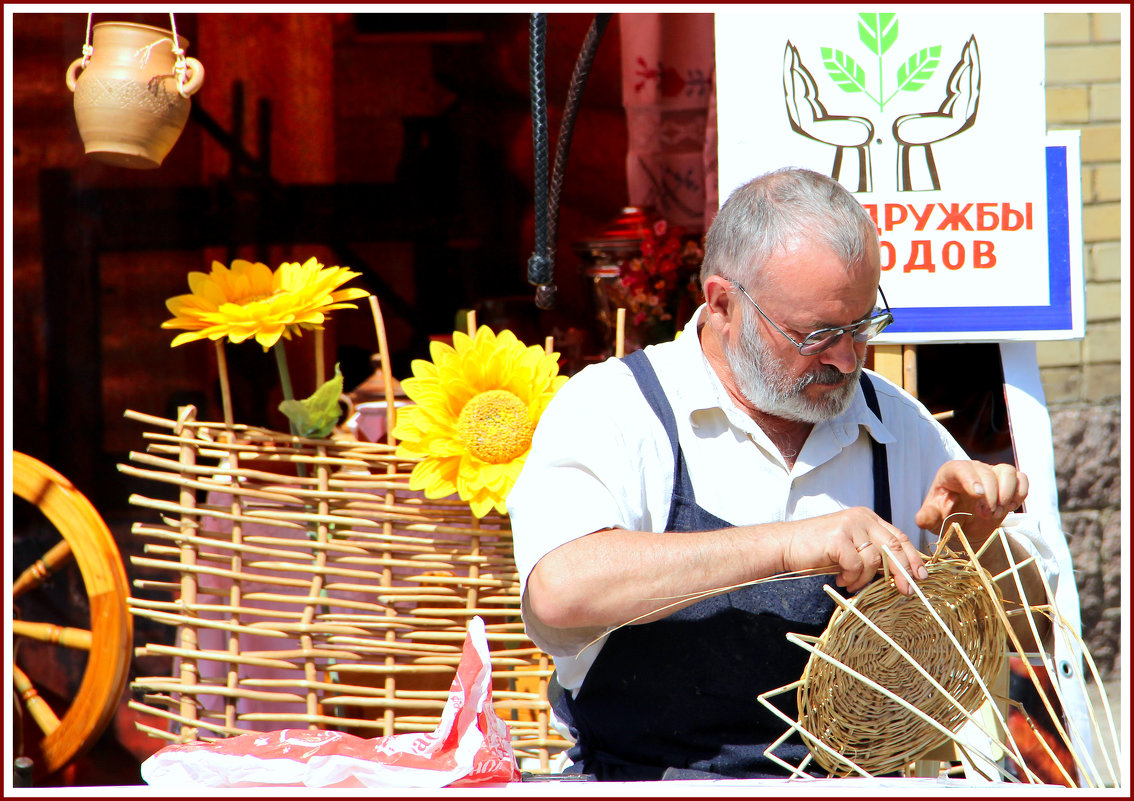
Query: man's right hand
{"x": 851, "y": 541}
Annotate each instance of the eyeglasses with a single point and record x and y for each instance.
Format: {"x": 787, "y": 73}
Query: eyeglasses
{"x": 818, "y": 341}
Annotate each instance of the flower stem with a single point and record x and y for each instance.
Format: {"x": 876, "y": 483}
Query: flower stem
{"x": 285, "y": 385}
{"x": 285, "y": 375}
{"x": 226, "y": 391}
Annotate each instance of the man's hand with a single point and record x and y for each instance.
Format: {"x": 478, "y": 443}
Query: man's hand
{"x": 986, "y": 493}
{"x": 851, "y": 541}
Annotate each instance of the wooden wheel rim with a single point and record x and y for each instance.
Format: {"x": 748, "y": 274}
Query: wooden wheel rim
{"x": 104, "y": 578}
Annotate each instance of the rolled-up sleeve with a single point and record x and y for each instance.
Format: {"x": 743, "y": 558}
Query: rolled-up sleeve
{"x": 581, "y": 474}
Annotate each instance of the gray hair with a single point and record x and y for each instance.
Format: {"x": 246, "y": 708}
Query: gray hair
{"x": 767, "y": 213}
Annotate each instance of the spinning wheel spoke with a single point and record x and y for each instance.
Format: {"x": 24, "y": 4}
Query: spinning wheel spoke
{"x": 66, "y": 636}
{"x": 41, "y": 712}
{"x": 51, "y": 562}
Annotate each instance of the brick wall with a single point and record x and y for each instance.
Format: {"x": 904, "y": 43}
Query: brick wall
{"x": 1082, "y": 379}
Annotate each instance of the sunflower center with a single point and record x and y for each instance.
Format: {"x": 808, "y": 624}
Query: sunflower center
{"x": 494, "y": 426}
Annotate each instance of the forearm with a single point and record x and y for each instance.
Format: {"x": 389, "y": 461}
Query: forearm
{"x": 612, "y": 577}
{"x": 615, "y": 576}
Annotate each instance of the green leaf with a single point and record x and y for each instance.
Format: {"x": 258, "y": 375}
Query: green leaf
{"x": 316, "y": 416}
{"x": 918, "y": 68}
{"x": 843, "y": 70}
{"x": 877, "y": 31}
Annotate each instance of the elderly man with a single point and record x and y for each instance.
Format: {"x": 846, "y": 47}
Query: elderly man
{"x": 752, "y": 445}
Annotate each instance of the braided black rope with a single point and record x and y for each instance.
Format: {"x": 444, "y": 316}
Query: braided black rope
{"x": 538, "y": 268}
{"x": 567, "y": 128}
{"x": 541, "y": 266}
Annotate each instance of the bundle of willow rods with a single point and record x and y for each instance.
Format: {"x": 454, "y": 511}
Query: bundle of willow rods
{"x": 310, "y": 587}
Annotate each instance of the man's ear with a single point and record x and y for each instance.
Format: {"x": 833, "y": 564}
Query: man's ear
{"x": 717, "y": 296}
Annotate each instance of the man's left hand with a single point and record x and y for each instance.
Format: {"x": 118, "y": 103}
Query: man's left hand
{"x": 986, "y": 493}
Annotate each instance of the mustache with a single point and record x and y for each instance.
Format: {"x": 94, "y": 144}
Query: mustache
{"x": 828, "y": 375}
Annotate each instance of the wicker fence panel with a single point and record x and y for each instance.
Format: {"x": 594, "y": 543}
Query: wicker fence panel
{"x": 311, "y": 587}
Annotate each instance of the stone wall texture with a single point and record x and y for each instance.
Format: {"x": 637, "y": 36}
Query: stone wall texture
{"x": 1087, "y": 455}
{"x": 1083, "y": 379}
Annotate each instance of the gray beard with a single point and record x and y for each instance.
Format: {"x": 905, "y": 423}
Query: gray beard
{"x": 753, "y": 368}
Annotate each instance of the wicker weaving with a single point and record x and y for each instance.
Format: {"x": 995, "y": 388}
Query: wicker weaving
{"x": 314, "y": 588}
{"x": 871, "y": 728}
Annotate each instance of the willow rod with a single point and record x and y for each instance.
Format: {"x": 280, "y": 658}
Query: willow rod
{"x": 220, "y": 625}
{"x": 195, "y": 569}
{"x": 387, "y": 378}
{"x": 175, "y": 718}
{"x": 158, "y": 649}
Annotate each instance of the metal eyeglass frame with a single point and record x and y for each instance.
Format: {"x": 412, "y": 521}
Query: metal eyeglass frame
{"x": 818, "y": 341}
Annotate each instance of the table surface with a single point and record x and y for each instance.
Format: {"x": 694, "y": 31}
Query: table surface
{"x": 896, "y": 787}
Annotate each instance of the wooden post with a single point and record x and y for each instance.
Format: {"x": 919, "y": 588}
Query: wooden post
{"x": 187, "y": 634}
{"x": 888, "y": 362}
{"x": 909, "y": 369}
{"x": 899, "y": 364}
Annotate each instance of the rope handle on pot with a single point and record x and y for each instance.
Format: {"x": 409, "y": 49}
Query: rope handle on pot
{"x": 88, "y": 48}
{"x": 181, "y": 67}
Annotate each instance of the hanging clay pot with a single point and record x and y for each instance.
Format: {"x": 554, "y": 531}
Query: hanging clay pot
{"x": 131, "y": 101}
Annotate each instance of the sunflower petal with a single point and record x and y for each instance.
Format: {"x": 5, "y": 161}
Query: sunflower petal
{"x": 248, "y": 300}
{"x": 502, "y": 386}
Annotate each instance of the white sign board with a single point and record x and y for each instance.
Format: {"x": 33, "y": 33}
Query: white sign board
{"x": 936, "y": 120}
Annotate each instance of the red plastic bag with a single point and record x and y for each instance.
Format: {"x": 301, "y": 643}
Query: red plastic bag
{"x": 470, "y": 746}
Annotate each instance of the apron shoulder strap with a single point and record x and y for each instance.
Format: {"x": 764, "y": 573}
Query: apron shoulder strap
{"x": 683, "y": 496}
{"x": 651, "y": 388}
{"x": 878, "y": 450}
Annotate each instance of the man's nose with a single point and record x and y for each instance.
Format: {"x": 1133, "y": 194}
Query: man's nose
{"x": 843, "y": 355}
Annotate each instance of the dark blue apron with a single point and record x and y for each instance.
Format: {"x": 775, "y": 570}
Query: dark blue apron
{"x": 678, "y": 697}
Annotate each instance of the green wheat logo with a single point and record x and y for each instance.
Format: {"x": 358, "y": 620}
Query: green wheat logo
{"x": 879, "y": 32}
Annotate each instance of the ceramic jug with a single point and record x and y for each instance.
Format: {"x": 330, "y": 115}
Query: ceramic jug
{"x": 130, "y": 104}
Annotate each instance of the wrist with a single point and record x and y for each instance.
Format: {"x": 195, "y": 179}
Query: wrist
{"x": 770, "y": 549}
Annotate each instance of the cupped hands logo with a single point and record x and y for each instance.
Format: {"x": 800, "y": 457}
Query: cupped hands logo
{"x": 853, "y": 135}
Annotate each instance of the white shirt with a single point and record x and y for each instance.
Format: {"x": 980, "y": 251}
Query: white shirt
{"x": 600, "y": 459}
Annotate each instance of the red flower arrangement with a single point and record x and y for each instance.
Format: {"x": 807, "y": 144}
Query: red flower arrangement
{"x": 666, "y": 272}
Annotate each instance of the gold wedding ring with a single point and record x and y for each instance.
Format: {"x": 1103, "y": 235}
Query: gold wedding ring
{"x": 863, "y": 547}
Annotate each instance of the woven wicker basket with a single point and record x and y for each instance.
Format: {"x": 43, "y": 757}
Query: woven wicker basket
{"x": 311, "y": 587}
{"x": 871, "y": 728}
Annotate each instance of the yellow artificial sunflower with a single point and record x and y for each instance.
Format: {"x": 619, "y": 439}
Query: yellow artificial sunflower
{"x": 476, "y": 407}
{"x": 251, "y": 301}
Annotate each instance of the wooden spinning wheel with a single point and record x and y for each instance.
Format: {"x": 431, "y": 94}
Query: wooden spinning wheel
{"x": 89, "y": 544}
